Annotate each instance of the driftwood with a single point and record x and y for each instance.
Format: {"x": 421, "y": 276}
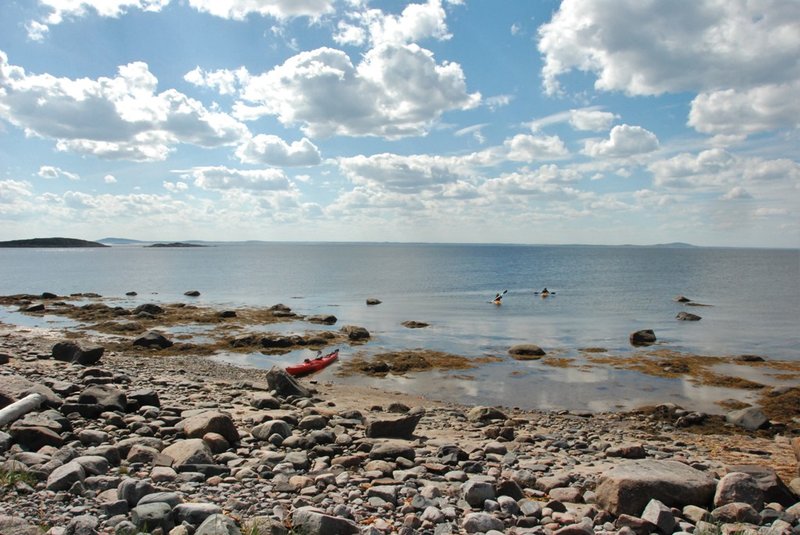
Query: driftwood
{"x": 20, "y": 408}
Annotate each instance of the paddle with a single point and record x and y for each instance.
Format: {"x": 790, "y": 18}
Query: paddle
{"x": 498, "y": 297}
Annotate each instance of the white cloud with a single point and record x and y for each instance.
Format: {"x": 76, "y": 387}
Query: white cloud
{"x": 272, "y": 150}
{"x": 405, "y": 174}
{"x": 591, "y": 119}
{"x": 415, "y": 23}
{"x": 719, "y": 168}
{"x": 623, "y": 141}
{"x": 61, "y": 9}
{"x": 736, "y": 193}
{"x": 175, "y": 187}
{"x": 528, "y": 148}
{"x": 279, "y": 9}
{"x": 110, "y": 179}
{"x": 498, "y": 101}
{"x": 120, "y": 117}
{"x": 653, "y": 47}
{"x": 732, "y": 112}
{"x": 395, "y": 91}
{"x": 51, "y": 173}
{"x": 474, "y": 131}
{"x": 224, "y": 178}
{"x": 225, "y": 82}
{"x": 12, "y": 190}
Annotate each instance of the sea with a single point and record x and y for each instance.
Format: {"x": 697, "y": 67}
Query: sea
{"x": 599, "y": 295}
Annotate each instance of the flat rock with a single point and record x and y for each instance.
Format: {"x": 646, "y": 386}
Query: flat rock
{"x": 402, "y": 426}
{"x": 629, "y": 486}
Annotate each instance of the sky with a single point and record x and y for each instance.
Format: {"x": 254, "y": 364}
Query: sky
{"x": 478, "y": 121}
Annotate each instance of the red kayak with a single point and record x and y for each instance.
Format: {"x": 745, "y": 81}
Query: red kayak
{"x": 312, "y": 365}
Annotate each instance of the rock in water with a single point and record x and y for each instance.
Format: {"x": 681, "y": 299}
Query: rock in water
{"x": 644, "y": 337}
{"x": 686, "y": 316}
{"x": 628, "y": 487}
{"x": 526, "y": 352}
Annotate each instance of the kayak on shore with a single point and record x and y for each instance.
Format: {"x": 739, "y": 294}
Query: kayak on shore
{"x": 313, "y": 365}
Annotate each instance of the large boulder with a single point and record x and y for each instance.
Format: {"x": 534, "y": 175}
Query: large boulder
{"x": 72, "y": 352}
{"x": 644, "y": 337}
{"x": 285, "y": 385}
{"x": 109, "y": 397}
{"x": 66, "y": 475}
{"x": 526, "y": 352}
{"x": 738, "y": 487}
{"x": 189, "y": 451}
{"x": 750, "y": 418}
{"x": 211, "y": 422}
{"x": 485, "y": 414}
{"x": 629, "y": 486}
{"x": 153, "y": 339}
{"x": 313, "y": 521}
{"x": 393, "y": 426}
{"x": 148, "y": 308}
{"x": 355, "y": 333}
{"x": 774, "y": 489}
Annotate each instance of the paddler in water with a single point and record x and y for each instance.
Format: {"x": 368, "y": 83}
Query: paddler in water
{"x": 544, "y": 293}
{"x": 498, "y": 299}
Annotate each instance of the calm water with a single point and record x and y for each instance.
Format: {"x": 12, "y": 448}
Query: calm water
{"x": 602, "y": 294}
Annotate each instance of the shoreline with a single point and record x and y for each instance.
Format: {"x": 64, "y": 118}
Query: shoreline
{"x": 553, "y": 460}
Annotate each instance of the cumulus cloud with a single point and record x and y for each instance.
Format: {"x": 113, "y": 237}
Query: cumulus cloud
{"x": 224, "y": 178}
{"x": 279, "y": 9}
{"x": 736, "y": 193}
{"x": 732, "y": 112}
{"x": 415, "y": 23}
{"x": 591, "y": 119}
{"x": 395, "y": 91}
{"x": 528, "y": 148}
{"x": 175, "y": 187}
{"x": 718, "y": 167}
{"x": 121, "y": 117}
{"x": 51, "y": 173}
{"x": 651, "y": 48}
{"x": 110, "y": 179}
{"x": 58, "y": 10}
{"x": 272, "y": 150}
{"x": 623, "y": 141}
{"x": 404, "y": 174}
{"x": 11, "y": 190}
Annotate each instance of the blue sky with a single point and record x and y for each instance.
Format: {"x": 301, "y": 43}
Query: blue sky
{"x": 519, "y": 121}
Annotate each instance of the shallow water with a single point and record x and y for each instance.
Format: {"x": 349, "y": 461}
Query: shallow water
{"x": 601, "y": 295}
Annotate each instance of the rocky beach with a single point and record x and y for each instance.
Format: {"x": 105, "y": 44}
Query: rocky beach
{"x": 113, "y": 428}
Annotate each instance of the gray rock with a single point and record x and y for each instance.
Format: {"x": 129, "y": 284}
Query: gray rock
{"x": 189, "y": 451}
{"x": 144, "y": 396}
{"x": 373, "y": 301}
{"x": 148, "y": 308}
{"x": 738, "y": 487}
{"x": 170, "y": 498}
{"x": 627, "y": 451}
{"x": 324, "y": 319}
{"x": 284, "y": 384}
{"x": 686, "y": 316}
{"x": 191, "y": 293}
{"x": 660, "y": 516}
{"x": 262, "y": 400}
{"x": 750, "y": 418}
{"x": 770, "y": 484}
{"x": 63, "y": 477}
{"x": 526, "y": 352}
{"x": 267, "y": 429}
{"x": 82, "y": 525}
{"x": 644, "y": 337}
{"x": 475, "y": 492}
{"x": 194, "y": 513}
{"x": 736, "y": 512}
{"x": 402, "y": 426}
{"x": 355, "y": 333}
{"x": 34, "y": 437}
{"x": 151, "y": 516}
{"x": 312, "y": 521}
{"x": 211, "y": 422}
{"x": 218, "y": 525}
{"x": 481, "y": 523}
{"x": 14, "y": 525}
{"x": 109, "y": 397}
{"x": 484, "y": 414}
{"x": 391, "y": 450}
{"x": 629, "y": 486}
{"x": 133, "y": 490}
{"x": 93, "y": 464}
{"x": 15, "y": 387}
{"x": 153, "y": 339}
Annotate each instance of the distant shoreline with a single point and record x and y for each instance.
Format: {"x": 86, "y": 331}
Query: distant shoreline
{"x": 51, "y": 243}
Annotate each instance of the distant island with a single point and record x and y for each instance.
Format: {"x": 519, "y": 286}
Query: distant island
{"x": 175, "y": 244}
{"x": 51, "y": 242}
